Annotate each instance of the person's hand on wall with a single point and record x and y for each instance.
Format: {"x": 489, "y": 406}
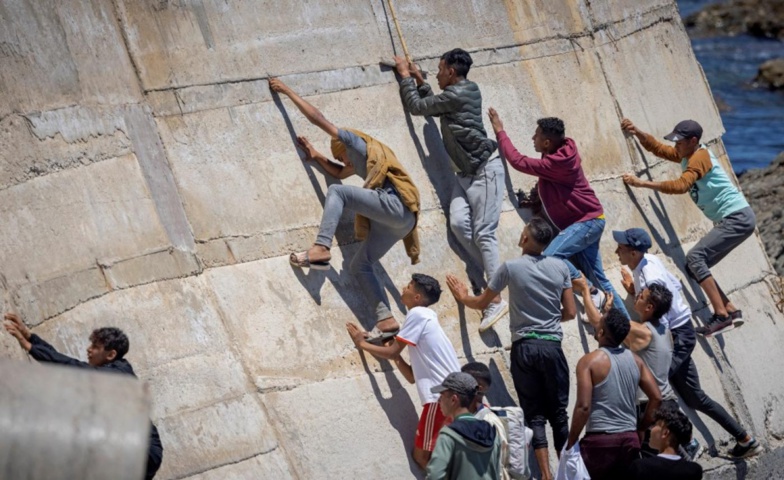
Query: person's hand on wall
{"x": 278, "y": 86}
{"x": 628, "y": 127}
{"x": 401, "y": 65}
{"x": 631, "y": 180}
{"x": 357, "y": 335}
{"x": 627, "y": 281}
{"x": 459, "y": 289}
{"x": 495, "y": 120}
{"x": 307, "y": 147}
{"x": 14, "y": 325}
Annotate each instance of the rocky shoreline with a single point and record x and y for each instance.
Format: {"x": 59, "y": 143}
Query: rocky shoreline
{"x": 764, "y": 189}
{"x": 759, "y": 18}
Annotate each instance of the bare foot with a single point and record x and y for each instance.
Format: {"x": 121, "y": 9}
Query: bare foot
{"x": 319, "y": 253}
{"x": 388, "y": 324}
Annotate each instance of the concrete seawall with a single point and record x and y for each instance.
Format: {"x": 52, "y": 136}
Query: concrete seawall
{"x": 149, "y": 180}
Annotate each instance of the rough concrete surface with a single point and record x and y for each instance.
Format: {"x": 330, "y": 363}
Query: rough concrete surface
{"x": 149, "y": 180}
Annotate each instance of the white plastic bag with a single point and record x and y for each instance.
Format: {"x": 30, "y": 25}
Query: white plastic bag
{"x": 571, "y": 466}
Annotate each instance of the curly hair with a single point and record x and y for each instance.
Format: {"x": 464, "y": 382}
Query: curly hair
{"x": 552, "y": 128}
{"x": 617, "y": 325}
{"x": 427, "y": 286}
{"x": 111, "y": 338}
{"x": 676, "y": 422}
{"x": 458, "y": 59}
{"x": 661, "y": 298}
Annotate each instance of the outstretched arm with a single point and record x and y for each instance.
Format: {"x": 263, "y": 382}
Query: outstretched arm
{"x": 581, "y": 286}
{"x": 418, "y": 97}
{"x": 312, "y": 113}
{"x": 332, "y": 168}
{"x": 698, "y": 166}
{"x": 460, "y": 292}
{"x": 569, "y": 307}
{"x": 649, "y": 143}
{"x": 387, "y": 352}
{"x": 36, "y": 346}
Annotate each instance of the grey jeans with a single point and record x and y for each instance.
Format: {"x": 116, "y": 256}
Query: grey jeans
{"x": 390, "y": 221}
{"x": 720, "y": 241}
{"x": 474, "y": 212}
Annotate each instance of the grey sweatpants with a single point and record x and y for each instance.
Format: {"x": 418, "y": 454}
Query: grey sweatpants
{"x": 474, "y": 212}
{"x": 720, "y": 241}
{"x": 390, "y": 221}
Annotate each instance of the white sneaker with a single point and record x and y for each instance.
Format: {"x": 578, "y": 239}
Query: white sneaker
{"x": 492, "y": 314}
{"x": 599, "y": 298}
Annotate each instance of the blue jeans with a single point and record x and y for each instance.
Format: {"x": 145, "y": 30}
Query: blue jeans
{"x": 580, "y": 241}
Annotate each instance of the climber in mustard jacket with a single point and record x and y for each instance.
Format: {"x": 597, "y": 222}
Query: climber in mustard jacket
{"x": 386, "y": 206}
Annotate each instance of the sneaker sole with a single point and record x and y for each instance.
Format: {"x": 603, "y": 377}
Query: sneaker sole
{"x": 720, "y": 331}
{"x": 754, "y": 451}
{"x": 495, "y": 320}
{"x": 737, "y": 323}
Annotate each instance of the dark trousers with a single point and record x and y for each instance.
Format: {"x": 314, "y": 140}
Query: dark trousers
{"x": 154, "y": 455}
{"x": 607, "y": 456}
{"x": 541, "y": 379}
{"x": 686, "y": 382}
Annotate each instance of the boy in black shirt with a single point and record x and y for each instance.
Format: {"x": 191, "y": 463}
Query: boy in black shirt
{"x": 107, "y": 348}
{"x": 671, "y": 429}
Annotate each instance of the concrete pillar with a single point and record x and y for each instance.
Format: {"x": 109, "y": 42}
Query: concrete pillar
{"x": 59, "y": 422}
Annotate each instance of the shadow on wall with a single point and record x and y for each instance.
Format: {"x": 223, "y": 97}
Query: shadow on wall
{"x": 399, "y": 409}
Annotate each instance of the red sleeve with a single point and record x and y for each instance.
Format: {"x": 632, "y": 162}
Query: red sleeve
{"x": 537, "y": 167}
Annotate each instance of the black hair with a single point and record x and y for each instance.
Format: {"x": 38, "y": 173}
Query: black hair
{"x": 465, "y": 399}
{"x": 552, "y": 128}
{"x": 540, "y": 231}
{"x": 617, "y": 325}
{"x": 427, "y": 286}
{"x": 111, "y": 338}
{"x": 661, "y": 298}
{"x": 676, "y": 422}
{"x": 458, "y": 59}
{"x": 479, "y": 371}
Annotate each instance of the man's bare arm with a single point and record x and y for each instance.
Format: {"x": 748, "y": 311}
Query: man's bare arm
{"x": 582, "y": 407}
{"x": 569, "y": 310}
{"x": 651, "y": 390}
{"x": 460, "y": 292}
{"x": 405, "y": 368}
{"x": 312, "y": 113}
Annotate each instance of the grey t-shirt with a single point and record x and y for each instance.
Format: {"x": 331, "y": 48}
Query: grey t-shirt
{"x": 357, "y": 151}
{"x": 536, "y": 284}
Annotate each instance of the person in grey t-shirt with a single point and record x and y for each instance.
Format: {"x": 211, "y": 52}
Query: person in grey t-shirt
{"x": 540, "y": 295}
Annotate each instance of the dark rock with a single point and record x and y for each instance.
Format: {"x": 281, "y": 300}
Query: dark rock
{"x": 771, "y": 74}
{"x": 760, "y": 18}
{"x": 762, "y": 187}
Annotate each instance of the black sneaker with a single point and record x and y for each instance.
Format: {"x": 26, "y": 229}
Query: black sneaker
{"x": 715, "y": 326}
{"x": 693, "y": 450}
{"x": 737, "y": 318}
{"x": 753, "y": 448}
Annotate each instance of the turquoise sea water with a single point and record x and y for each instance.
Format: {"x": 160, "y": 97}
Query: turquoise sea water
{"x": 754, "y": 123}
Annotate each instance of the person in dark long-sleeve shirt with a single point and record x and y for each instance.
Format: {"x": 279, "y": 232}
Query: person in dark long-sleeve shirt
{"x": 478, "y": 191}
{"x": 568, "y": 200}
{"x": 107, "y": 348}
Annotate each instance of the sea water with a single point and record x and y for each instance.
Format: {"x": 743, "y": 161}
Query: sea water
{"x": 754, "y": 121}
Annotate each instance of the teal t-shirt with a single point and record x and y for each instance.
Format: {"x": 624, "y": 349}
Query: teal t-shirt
{"x": 714, "y": 193}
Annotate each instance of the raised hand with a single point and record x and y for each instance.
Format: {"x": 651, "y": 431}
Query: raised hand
{"x": 401, "y": 65}
{"x": 459, "y": 289}
{"x": 357, "y": 335}
{"x": 631, "y": 180}
{"x": 277, "y": 86}
{"x": 495, "y": 120}
{"x": 305, "y": 145}
{"x": 415, "y": 72}
{"x": 628, "y": 126}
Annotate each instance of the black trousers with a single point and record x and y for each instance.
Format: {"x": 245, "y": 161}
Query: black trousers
{"x": 686, "y": 382}
{"x": 154, "y": 455}
{"x": 541, "y": 379}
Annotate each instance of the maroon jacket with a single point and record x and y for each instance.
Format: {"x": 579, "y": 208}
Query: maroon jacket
{"x": 566, "y": 195}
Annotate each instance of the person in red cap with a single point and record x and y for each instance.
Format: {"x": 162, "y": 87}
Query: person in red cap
{"x": 719, "y": 199}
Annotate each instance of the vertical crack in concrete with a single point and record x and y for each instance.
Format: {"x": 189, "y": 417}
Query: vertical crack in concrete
{"x": 122, "y": 26}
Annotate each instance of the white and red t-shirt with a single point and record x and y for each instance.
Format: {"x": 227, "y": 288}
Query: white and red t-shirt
{"x": 432, "y": 355}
